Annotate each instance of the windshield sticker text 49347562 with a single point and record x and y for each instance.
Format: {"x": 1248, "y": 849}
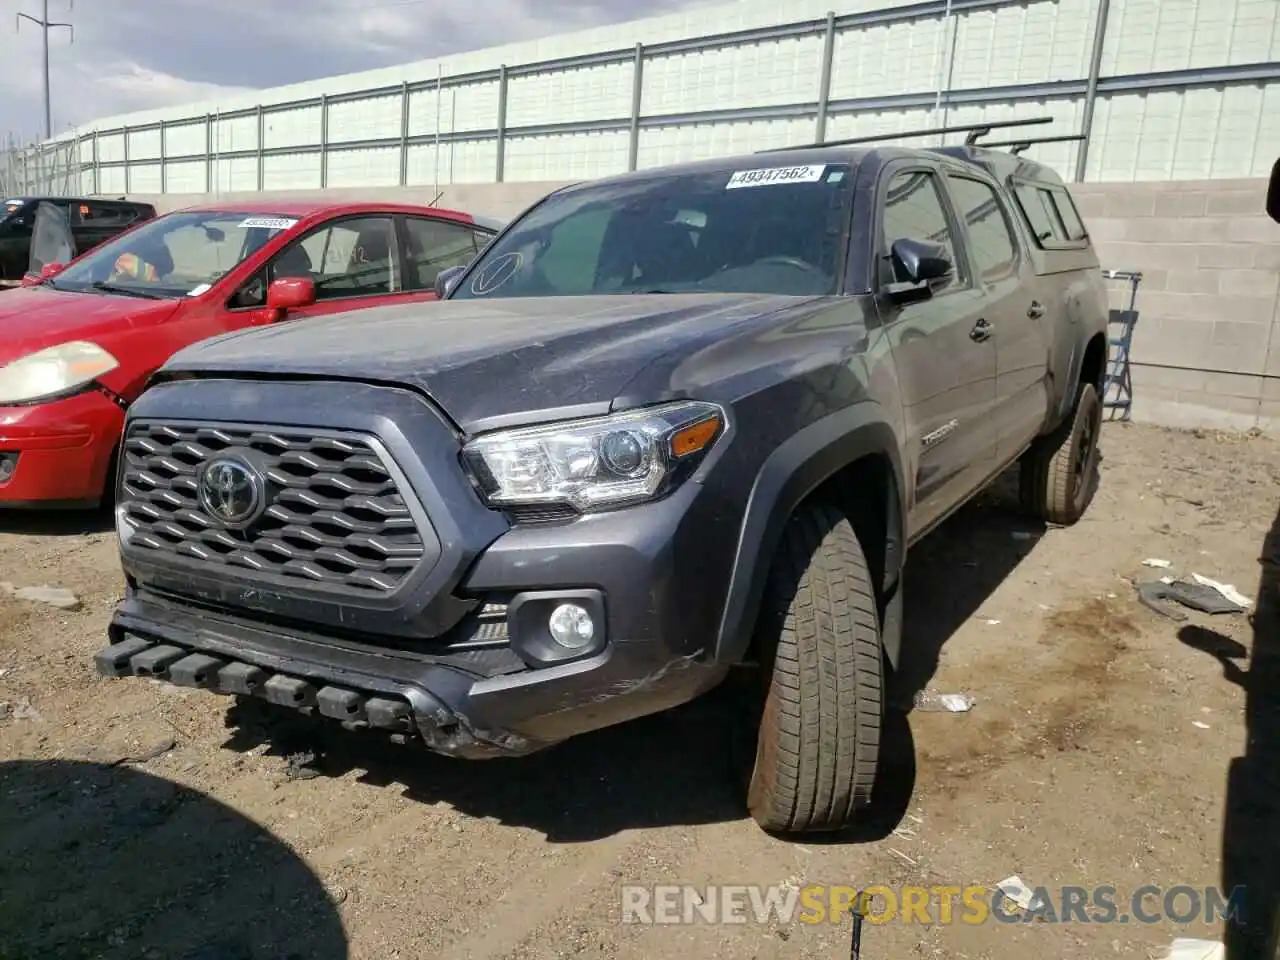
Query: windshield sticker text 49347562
{"x": 769, "y": 176}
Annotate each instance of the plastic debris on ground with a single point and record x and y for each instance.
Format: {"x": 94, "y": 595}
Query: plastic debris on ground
{"x": 1185, "y": 948}
{"x": 1197, "y": 596}
{"x": 1226, "y": 589}
{"x": 1017, "y": 892}
{"x": 22, "y": 710}
{"x": 928, "y": 701}
{"x": 1157, "y": 562}
{"x": 59, "y": 597}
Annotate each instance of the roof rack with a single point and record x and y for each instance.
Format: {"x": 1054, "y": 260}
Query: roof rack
{"x": 1017, "y": 146}
{"x": 975, "y": 132}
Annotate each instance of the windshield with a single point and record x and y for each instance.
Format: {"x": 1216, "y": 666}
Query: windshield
{"x": 181, "y": 254}
{"x": 778, "y": 230}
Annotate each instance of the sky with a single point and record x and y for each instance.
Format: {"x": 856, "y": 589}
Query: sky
{"x": 132, "y": 55}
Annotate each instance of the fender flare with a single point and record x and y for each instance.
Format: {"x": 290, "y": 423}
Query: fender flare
{"x": 1079, "y": 348}
{"x": 788, "y": 475}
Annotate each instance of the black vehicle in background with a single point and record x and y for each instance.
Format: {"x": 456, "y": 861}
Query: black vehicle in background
{"x": 90, "y": 221}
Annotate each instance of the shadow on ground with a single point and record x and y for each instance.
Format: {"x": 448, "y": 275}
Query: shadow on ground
{"x": 953, "y": 572}
{"x": 1251, "y": 825}
{"x": 58, "y": 523}
{"x": 676, "y": 767}
{"x": 112, "y": 863}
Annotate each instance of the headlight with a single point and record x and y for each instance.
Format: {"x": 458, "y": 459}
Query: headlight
{"x": 54, "y": 370}
{"x": 593, "y": 464}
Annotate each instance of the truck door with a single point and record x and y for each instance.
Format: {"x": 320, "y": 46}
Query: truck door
{"x": 1005, "y": 282}
{"x": 945, "y": 361}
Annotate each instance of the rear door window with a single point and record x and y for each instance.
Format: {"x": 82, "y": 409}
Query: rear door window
{"x": 992, "y": 246}
{"x": 105, "y": 215}
{"x": 434, "y": 245}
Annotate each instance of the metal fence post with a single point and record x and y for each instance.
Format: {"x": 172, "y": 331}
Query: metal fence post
{"x": 502, "y": 121}
{"x": 324, "y": 141}
{"x": 97, "y": 171}
{"x": 404, "y": 134}
{"x": 124, "y": 133}
{"x": 262, "y": 127}
{"x": 824, "y": 84}
{"x": 164, "y": 163}
{"x": 637, "y": 102}
{"x": 208, "y": 153}
{"x": 1091, "y": 91}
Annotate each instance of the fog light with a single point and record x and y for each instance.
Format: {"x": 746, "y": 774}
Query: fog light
{"x": 8, "y": 464}
{"x": 571, "y": 626}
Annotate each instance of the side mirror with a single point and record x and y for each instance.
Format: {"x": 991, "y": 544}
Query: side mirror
{"x": 921, "y": 262}
{"x": 30, "y": 279}
{"x": 1273, "y": 193}
{"x": 290, "y": 293}
{"x": 446, "y": 279}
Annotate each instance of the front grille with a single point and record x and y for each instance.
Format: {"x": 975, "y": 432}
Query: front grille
{"x": 331, "y": 512}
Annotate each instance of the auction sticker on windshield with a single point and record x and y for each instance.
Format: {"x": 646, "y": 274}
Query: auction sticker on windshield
{"x": 770, "y": 176}
{"x": 268, "y": 223}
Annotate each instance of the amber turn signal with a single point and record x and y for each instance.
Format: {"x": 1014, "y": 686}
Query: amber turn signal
{"x": 694, "y": 437}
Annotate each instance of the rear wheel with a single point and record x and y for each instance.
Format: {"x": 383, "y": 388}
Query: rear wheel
{"x": 1059, "y": 474}
{"x": 819, "y": 733}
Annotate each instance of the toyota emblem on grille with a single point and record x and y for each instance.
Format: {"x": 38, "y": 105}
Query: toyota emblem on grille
{"x": 230, "y": 491}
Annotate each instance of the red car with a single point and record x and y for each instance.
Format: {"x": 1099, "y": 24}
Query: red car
{"x": 78, "y": 344}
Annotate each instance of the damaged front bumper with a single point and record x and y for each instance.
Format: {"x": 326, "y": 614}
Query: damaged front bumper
{"x": 437, "y": 699}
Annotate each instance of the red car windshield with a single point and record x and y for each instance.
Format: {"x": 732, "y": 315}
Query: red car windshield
{"x": 177, "y": 255}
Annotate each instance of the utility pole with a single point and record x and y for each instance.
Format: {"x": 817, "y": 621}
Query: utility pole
{"x": 45, "y": 26}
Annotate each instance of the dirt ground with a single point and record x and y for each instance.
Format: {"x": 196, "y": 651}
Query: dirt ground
{"x": 139, "y": 820}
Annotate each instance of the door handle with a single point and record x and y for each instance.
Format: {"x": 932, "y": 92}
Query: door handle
{"x": 1036, "y": 310}
{"x": 981, "y": 331}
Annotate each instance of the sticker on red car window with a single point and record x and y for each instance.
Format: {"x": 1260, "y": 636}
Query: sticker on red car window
{"x": 769, "y": 176}
{"x": 268, "y": 223}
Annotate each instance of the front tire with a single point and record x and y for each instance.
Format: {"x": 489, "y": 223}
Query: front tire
{"x": 819, "y": 734}
{"x": 1059, "y": 474}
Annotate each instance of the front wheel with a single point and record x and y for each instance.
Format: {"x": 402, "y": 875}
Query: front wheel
{"x": 1059, "y": 474}
{"x": 819, "y": 734}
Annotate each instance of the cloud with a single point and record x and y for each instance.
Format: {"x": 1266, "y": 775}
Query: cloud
{"x": 145, "y": 54}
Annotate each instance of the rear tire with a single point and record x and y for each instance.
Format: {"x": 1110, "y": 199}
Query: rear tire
{"x": 819, "y": 734}
{"x": 1059, "y": 474}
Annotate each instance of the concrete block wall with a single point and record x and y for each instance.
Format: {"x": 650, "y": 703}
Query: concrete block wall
{"x": 1205, "y": 351}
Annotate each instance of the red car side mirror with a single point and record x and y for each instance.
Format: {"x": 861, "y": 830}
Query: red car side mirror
{"x": 290, "y": 293}
{"x": 30, "y": 279}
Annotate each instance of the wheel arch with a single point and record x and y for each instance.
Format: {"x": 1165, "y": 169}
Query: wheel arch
{"x": 1090, "y": 368}
{"x": 841, "y": 458}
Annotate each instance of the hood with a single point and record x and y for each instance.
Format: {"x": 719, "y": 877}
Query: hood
{"x": 480, "y": 360}
{"x": 32, "y": 318}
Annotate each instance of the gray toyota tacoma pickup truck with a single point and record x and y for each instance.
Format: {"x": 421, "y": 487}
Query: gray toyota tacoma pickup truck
{"x": 667, "y": 424}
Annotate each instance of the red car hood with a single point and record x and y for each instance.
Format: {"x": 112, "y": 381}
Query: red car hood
{"x": 32, "y": 318}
